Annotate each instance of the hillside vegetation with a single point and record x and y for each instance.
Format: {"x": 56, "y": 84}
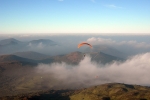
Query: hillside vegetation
{"x": 110, "y": 91}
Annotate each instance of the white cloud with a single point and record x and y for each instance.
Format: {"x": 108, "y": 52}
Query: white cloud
{"x": 112, "y": 6}
{"x": 135, "y": 44}
{"x": 40, "y": 45}
{"x": 30, "y": 44}
{"x": 127, "y": 48}
{"x": 102, "y": 41}
{"x": 60, "y": 0}
{"x": 93, "y": 1}
{"x": 133, "y": 71}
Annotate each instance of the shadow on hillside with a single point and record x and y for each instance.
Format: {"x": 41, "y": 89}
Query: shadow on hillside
{"x": 49, "y": 95}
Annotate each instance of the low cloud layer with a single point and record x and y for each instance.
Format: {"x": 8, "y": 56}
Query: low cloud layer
{"x": 103, "y": 41}
{"x": 129, "y": 47}
{"x": 135, "y": 70}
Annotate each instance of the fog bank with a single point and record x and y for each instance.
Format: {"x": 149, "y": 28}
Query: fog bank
{"x": 135, "y": 70}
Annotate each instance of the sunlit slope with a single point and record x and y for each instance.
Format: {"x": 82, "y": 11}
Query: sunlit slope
{"x": 113, "y": 91}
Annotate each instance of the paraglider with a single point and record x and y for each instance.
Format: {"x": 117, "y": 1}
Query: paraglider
{"x": 84, "y": 43}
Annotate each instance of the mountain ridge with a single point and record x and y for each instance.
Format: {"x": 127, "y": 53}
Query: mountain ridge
{"x": 9, "y": 41}
{"x": 31, "y": 55}
{"x": 12, "y": 45}
{"x": 70, "y": 58}
{"x": 43, "y": 41}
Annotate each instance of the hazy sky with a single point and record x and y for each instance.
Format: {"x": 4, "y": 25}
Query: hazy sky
{"x": 74, "y": 16}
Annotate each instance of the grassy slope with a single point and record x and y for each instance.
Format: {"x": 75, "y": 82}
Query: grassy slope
{"x": 113, "y": 91}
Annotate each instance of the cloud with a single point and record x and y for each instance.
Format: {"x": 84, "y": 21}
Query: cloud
{"x": 102, "y": 41}
{"x": 60, "y": 0}
{"x": 112, "y": 6}
{"x": 93, "y": 1}
{"x": 40, "y": 45}
{"x": 129, "y": 47}
{"x": 30, "y": 44}
{"x": 135, "y": 70}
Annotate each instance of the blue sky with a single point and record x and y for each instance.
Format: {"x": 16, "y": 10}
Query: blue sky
{"x": 75, "y": 16}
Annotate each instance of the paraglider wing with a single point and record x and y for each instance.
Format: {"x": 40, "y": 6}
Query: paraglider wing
{"x": 84, "y": 43}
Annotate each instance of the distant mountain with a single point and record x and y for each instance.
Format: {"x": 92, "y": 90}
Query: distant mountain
{"x": 71, "y": 58}
{"x": 11, "y": 45}
{"x": 104, "y": 58}
{"x": 76, "y": 57}
{"x": 31, "y": 55}
{"x": 43, "y": 41}
{"x": 10, "y": 41}
{"x": 107, "y": 50}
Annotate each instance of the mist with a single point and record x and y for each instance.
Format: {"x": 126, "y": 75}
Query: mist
{"x": 67, "y": 44}
{"x": 127, "y": 45}
{"x": 135, "y": 70}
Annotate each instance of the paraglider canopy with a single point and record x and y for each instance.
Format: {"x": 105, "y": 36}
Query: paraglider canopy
{"x": 84, "y": 43}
